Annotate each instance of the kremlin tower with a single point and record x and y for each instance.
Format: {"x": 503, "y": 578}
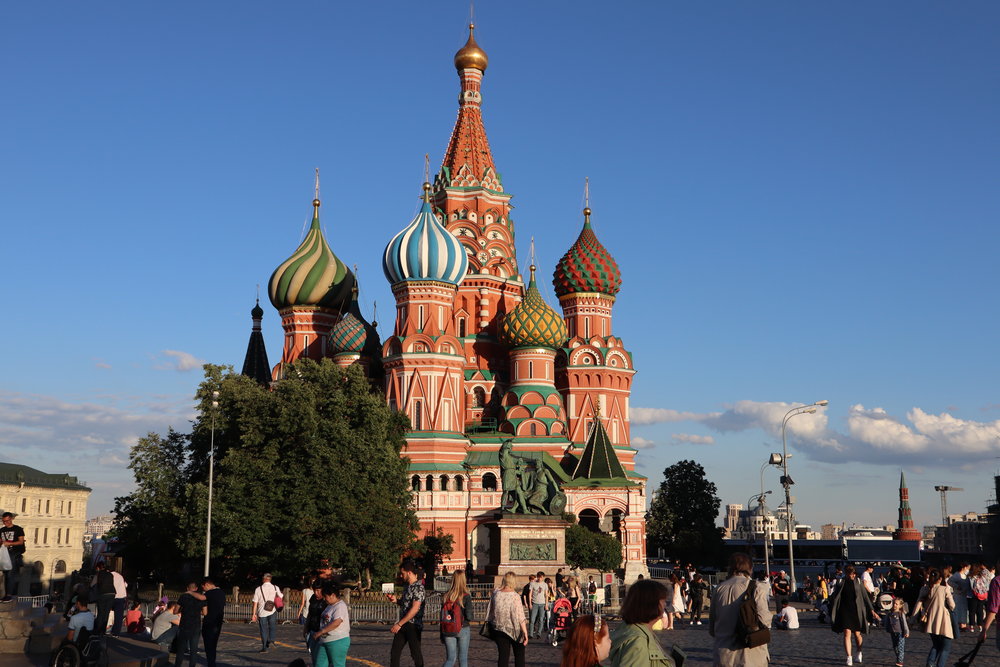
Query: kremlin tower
{"x": 476, "y": 356}
{"x": 905, "y": 529}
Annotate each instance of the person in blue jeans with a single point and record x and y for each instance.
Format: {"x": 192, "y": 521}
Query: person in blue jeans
{"x": 538, "y": 592}
{"x": 456, "y": 644}
{"x": 265, "y": 611}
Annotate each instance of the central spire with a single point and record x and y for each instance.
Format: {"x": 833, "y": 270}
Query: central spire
{"x": 468, "y": 161}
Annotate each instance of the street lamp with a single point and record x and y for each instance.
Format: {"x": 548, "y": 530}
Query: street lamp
{"x": 787, "y": 482}
{"x": 211, "y": 475}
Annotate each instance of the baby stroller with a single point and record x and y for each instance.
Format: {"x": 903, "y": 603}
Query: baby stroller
{"x": 562, "y": 614}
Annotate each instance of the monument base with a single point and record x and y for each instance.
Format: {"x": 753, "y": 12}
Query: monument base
{"x": 527, "y": 543}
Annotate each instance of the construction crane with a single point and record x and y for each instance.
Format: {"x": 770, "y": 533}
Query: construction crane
{"x": 944, "y": 501}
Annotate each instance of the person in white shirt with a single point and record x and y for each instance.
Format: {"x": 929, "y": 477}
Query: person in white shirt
{"x": 866, "y": 580}
{"x": 264, "y": 611}
{"x": 787, "y": 618}
{"x": 121, "y": 598}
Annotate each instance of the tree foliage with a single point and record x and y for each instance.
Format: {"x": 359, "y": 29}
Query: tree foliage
{"x": 590, "y": 550}
{"x": 681, "y": 518}
{"x": 306, "y": 471}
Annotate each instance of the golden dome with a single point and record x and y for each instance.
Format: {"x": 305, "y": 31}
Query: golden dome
{"x": 471, "y": 55}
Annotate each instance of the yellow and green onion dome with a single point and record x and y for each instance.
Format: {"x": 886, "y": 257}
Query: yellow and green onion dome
{"x": 587, "y": 266}
{"x": 313, "y": 275}
{"x": 425, "y": 250}
{"x": 351, "y": 333}
{"x": 533, "y": 323}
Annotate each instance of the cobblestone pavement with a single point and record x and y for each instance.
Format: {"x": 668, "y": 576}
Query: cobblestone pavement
{"x": 814, "y": 644}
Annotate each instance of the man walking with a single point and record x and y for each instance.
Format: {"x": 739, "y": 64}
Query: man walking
{"x": 192, "y": 604}
{"x": 121, "y": 597}
{"x": 104, "y": 582}
{"x": 12, "y": 537}
{"x": 264, "y": 611}
{"x": 538, "y": 595}
{"x": 211, "y": 625}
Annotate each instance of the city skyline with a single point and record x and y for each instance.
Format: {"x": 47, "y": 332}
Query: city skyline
{"x": 799, "y": 199}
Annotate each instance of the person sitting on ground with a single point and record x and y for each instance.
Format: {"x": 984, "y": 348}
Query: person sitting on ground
{"x": 787, "y": 618}
{"x": 82, "y": 619}
{"x": 165, "y": 625}
{"x": 135, "y": 623}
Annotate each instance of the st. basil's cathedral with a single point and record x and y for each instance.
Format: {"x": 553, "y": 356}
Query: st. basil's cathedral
{"x": 476, "y": 356}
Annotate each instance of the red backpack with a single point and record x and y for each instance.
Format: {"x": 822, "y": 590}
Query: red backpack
{"x": 451, "y": 618}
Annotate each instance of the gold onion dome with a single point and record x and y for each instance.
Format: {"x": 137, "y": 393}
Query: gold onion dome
{"x": 313, "y": 275}
{"x": 471, "y": 55}
{"x": 533, "y": 323}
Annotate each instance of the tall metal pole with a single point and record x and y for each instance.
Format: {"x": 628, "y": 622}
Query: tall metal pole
{"x": 787, "y": 483}
{"x": 767, "y": 526}
{"x": 211, "y": 477}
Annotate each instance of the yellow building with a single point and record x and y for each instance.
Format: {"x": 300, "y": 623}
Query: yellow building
{"x": 52, "y": 510}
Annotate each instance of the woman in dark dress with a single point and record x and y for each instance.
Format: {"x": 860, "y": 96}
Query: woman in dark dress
{"x": 850, "y": 609}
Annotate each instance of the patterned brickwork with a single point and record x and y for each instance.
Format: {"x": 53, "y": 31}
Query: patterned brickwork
{"x": 533, "y": 322}
{"x": 587, "y": 266}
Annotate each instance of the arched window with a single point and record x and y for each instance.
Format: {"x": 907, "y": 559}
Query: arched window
{"x": 444, "y": 482}
{"x": 461, "y": 327}
{"x": 590, "y": 520}
{"x": 415, "y": 483}
{"x": 478, "y": 397}
{"x": 459, "y": 483}
{"x": 531, "y": 369}
{"x": 60, "y": 567}
{"x": 533, "y": 428}
{"x": 418, "y": 416}
{"x": 489, "y": 482}
{"x": 429, "y": 483}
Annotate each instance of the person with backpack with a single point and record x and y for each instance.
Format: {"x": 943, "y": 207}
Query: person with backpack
{"x": 739, "y": 609}
{"x": 267, "y": 601}
{"x": 455, "y": 617}
{"x": 979, "y": 586}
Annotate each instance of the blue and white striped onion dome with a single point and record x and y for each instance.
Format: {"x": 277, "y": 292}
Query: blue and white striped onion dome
{"x": 425, "y": 250}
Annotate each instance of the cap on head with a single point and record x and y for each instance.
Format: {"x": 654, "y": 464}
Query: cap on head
{"x": 266, "y": 575}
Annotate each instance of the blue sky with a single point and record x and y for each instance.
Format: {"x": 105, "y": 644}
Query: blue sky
{"x": 802, "y": 198}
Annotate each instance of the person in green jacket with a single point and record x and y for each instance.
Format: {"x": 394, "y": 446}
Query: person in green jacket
{"x": 633, "y": 643}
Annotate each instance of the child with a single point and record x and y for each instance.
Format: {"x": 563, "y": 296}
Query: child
{"x": 895, "y": 623}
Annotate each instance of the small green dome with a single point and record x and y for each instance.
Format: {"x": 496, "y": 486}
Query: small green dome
{"x": 533, "y": 322}
{"x": 313, "y": 275}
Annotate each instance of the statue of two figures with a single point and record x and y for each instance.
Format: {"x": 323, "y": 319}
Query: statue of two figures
{"x": 528, "y": 486}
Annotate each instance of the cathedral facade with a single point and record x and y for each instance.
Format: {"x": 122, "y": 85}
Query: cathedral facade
{"x": 476, "y": 356}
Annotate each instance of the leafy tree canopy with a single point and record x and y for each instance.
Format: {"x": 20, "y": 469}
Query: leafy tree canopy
{"x": 590, "y": 550}
{"x": 307, "y": 471}
{"x": 681, "y": 518}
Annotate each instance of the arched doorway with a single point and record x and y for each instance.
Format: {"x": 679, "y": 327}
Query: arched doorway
{"x": 590, "y": 520}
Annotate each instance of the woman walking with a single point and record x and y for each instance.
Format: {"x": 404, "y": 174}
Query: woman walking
{"x": 850, "y": 611}
{"x": 697, "y": 588}
{"x": 633, "y": 643}
{"x": 508, "y": 626}
{"x": 933, "y": 609}
{"x": 979, "y": 587}
{"x": 458, "y": 601}
{"x": 573, "y": 594}
{"x": 677, "y": 598}
{"x": 584, "y": 647}
{"x": 333, "y": 639}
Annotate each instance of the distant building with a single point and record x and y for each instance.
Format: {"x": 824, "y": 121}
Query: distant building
{"x": 98, "y": 527}
{"x": 830, "y": 531}
{"x": 732, "y": 518}
{"x": 963, "y": 533}
{"x": 52, "y": 510}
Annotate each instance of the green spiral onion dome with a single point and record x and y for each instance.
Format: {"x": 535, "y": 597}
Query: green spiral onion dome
{"x": 313, "y": 275}
{"x": 587, "y": 266}
{"x": 533, "y": 323}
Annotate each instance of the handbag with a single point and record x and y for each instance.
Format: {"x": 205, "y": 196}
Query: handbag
{"x": 5, "y": 562}
{"x": 279, "y": 602}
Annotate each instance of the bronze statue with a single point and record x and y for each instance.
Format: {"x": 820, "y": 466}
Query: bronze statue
{"x": 528, "y": 493}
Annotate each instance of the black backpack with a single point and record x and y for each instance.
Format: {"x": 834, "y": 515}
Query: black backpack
{"x": 750, "y": 631}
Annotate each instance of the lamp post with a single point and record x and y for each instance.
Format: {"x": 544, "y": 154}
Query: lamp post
{"x": 767, "y": 524}
{"x": 762, "y": 512}
{"x": 787, "y": 482}
{"x": 211, "y": 475}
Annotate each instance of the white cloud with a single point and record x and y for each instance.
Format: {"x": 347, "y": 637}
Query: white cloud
{"x": 642, "y": 443}
{"x": 692, "y": 439}
{"x": 643, "y": 416}
{"x": 872, "y": 435}
{"x": 181, "y": 361}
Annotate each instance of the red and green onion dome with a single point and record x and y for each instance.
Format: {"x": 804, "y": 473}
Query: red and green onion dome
{"x": 533, "y": 323}
{"x": 351, "y": 333}
{"x": 313, "y": 275}
{"x": 587, "y": 266}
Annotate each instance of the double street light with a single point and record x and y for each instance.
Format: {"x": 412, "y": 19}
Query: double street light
{"x": 786, "y": 480}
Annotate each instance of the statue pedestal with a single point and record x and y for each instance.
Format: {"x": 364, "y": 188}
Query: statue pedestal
{"x": 526, "y": 544}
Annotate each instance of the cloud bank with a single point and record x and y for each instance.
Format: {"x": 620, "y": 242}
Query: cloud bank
{"x": 870, "y": 435}
{"x": 180, "y": 361}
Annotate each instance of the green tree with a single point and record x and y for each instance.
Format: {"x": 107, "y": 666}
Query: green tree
{"x": 681, "y": 518}
{"x": 433, "y": 548}
{"x": 309, "y": 470}
{"x": 590, "y": 550}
